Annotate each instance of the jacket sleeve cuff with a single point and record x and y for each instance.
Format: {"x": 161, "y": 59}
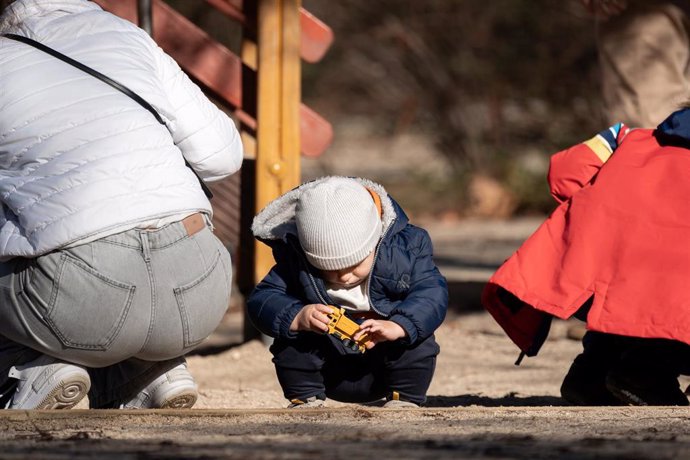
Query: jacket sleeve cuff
{"x": 285, "y": 320}
{"x": 607, "y": 141}
{"x": 408, "y": 326}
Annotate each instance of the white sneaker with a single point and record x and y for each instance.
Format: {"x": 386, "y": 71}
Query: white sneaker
{"x": 46, "y": 383}
{"x": 394, "y": 402}
{"x": 399, "y": 404}
{"x": 173, "y": 390}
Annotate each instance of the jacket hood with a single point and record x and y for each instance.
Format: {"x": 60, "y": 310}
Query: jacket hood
{"x": 676, "y": 127}
{"x": 277, "y": 219}
{"x": 23, "y": 12}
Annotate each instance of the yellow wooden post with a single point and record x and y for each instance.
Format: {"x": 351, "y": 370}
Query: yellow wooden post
{"x": 278, "y": 103}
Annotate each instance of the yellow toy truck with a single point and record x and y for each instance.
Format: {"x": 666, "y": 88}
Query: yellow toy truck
{"x": 344, "y": 328}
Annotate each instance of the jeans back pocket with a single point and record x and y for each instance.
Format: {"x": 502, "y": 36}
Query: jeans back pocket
{"x": 202, "y": 303}
{"x": 86, "y": 309}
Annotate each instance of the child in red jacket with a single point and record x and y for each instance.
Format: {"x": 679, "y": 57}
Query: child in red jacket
{"x": 612, "y": 254}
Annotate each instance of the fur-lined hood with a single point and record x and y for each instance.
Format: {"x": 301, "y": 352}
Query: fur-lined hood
{"x": 277, "y": 219}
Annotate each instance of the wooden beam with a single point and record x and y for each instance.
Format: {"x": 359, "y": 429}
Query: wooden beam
{"x": 291, "y": 94}
{"x": 316, "y": 37}
{"x": 216, "y": 67}
{"x": 278, "y": 108}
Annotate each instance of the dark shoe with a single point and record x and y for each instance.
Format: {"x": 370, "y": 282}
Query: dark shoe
{"x": 646, "y": 389}
{"x": 312, "y": 402}
{"x": 585, "y": 384}
{"x": 647, "y": 374}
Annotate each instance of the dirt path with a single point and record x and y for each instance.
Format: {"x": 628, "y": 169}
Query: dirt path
{"x": 356, "y": 432}
{"x": 480, "y": 406}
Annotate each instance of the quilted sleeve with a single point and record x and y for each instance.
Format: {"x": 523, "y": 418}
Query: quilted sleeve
{"x": 208, "y": 138}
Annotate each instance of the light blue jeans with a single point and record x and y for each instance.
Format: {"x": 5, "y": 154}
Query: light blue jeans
{"x": 127, "y": 306}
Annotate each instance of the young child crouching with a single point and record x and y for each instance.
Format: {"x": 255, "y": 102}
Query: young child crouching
{"x": 344, "y": 242}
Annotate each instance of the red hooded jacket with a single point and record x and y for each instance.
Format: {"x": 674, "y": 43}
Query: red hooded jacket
{"x": 621, "y": 235}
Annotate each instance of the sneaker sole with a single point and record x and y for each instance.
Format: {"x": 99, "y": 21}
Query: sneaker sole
{"x": 579, "y": 398}
{"x": 307, "y": 406}
{"x": 397, "y": 404}
{"x": 627, "y": 397}
{"x": 66, "y": 394}
{"x": 183, "y": 400}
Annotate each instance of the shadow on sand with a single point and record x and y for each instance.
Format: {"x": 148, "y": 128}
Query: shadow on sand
{"x": 509, "y": 400}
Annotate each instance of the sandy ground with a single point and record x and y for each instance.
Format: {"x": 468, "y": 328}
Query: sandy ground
{"x": 480, "y": 406}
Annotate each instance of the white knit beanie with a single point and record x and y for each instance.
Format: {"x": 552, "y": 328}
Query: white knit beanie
{"x": 338, "y": 223}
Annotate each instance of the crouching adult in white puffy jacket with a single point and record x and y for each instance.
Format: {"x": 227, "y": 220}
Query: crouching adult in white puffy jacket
{"x": 109, "y": 272}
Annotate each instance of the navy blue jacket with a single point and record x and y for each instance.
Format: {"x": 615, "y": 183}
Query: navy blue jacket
{"x": 405, "y": 285}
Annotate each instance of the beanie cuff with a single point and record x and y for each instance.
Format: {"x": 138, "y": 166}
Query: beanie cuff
{"x": 349, "y": 260}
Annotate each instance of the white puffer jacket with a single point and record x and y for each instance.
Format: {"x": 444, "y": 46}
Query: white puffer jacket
{"x": 77, "y": 157}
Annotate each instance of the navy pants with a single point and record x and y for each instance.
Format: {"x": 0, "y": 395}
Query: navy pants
{"x": 657, "y": 357}
{"x": 317, "y": 365}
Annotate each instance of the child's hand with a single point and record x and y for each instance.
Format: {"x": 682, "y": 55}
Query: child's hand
{"x": 312, "y": 317}
{"x": 380, "y": 330}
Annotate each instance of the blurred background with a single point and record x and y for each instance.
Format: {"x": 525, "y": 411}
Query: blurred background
{"x": 454, "y": 105}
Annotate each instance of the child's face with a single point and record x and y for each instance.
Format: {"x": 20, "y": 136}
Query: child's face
{"x": 351, "y": 276}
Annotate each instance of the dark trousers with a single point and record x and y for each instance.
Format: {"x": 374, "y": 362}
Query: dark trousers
{"x": 654, "y": 357}
{"x": 663, "y": 357}
{"x": 315, "y": 365}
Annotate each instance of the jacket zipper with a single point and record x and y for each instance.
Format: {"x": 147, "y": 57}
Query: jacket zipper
{"x": 311, "y": 277}
{"x": 371, "y": 272}
{"x": 316, "y": 289}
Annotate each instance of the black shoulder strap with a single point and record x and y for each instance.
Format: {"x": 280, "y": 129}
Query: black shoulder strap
{"x": 118, "y": 86}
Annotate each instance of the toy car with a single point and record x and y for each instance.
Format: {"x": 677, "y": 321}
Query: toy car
{"x": 344, "y": 328}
